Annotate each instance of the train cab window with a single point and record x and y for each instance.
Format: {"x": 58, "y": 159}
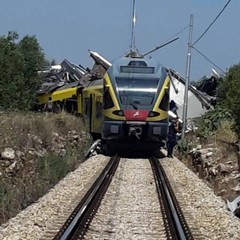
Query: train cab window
{"x": 137, "y": 64}
{"x": 164, "y": 104}
{"x": 108, "y": 102}
{"x": 137, "y": 92}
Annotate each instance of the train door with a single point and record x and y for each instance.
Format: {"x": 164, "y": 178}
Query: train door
{"x": 87, "y": 111}
{"x": 91, "y": 113}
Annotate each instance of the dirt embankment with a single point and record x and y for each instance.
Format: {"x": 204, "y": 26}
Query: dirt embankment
{"x": 36, "y": 151}
{"x": 217, "y": 163}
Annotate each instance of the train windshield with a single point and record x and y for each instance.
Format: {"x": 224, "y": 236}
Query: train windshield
{"x": 137, "y": 92}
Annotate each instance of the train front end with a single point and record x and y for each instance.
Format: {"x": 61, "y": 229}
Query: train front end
{"x": 135, "y": 105}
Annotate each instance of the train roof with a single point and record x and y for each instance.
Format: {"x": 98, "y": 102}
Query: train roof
{"x": 136, "y": 65}
{"x": 136, "y": 61}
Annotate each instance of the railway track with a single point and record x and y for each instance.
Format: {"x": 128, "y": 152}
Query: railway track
{"x": 102, "y": 208}
{"x": 78, "y": 222}
{"x": 130, "y": 208}
{"x": 174, "y": 221}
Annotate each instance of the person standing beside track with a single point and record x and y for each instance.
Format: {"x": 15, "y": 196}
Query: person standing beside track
{"x": 172, "y": 135}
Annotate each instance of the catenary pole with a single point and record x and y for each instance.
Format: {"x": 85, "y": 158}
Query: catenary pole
{"x": 188, "y": 70}
{"x": 133, "y": 47}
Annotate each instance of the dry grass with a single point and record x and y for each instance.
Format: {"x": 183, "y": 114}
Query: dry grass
{"x": 225, "y": 132}
{"x": 35, "y": 132}
{"x": 16, "y": 126}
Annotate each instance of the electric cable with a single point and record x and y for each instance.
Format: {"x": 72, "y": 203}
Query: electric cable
{"x": 209, "y": 60}
{"x": 178, "y": 33}
{"x": 212, "y": 22}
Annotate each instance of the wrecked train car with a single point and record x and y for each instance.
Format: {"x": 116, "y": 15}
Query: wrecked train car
{"x": 60, "y": 87}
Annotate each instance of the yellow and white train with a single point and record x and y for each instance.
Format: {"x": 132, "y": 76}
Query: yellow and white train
{"x": 127, "y": 108}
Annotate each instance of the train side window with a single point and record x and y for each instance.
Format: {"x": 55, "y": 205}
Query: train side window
{"x": 164, "y": 104}
{"x": 108, "y": 102}
{"x": 98, "y": 110}
{"x": 87, "y": 107}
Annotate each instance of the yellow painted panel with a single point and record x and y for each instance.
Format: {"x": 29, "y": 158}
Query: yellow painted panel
{"x": 163, "y": 114}
{"x": 79, "y": 104}
{"x": 108, "y": 112}
{"x": 64, "y": 94}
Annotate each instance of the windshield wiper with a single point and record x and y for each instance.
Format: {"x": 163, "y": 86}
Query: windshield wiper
{"x": 134, "y": 105}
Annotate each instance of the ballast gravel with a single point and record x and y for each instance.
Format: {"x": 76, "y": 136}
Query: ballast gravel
{"x": 207, "y": 212}
{"x": 130, "y": 208}
{"x": 34, "y": 221}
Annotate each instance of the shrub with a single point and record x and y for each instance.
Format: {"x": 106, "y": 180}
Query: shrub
{"x": 228, "y": 95}
{"x": 52, "y": 168}
{"x": 211, "y": 121}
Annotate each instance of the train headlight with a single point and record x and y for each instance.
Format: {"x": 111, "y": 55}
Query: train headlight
{"x": 118, "y": 113}
{"x": 153, "y": 114}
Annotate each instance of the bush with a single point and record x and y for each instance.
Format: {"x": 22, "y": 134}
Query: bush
{"x": 52, "y": 168}
{"x": 183, "y": 148}
{"x": 211, "y": 121}
{"x": 228, "y": 95}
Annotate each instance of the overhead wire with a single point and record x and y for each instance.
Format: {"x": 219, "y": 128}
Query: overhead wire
{"x": 201, "y": 36}
{"x": 212, "y": 22}
{"x": 203, "y": 55}
{"x": 209, "y": 60}
{"x": 170, "y": 40}
{"x": 178, "y": 33}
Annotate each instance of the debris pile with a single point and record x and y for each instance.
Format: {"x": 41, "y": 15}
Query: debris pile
{"x": 58, "y": 76}
{"x": 61, "y": 84}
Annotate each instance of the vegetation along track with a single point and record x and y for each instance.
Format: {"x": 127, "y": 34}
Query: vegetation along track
{"x": 128, "y": 208}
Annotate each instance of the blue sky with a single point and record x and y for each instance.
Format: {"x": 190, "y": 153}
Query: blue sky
{"x": 68, "y": 28}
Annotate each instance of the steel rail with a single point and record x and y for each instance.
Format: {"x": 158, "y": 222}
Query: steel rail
{"x": 175, "y": 223}
{"x": 77, "y": 223}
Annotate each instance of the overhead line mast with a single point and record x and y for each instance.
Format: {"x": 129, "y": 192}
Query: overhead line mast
{"x": 133, "y": 46}
{"x": 188, "y": 70}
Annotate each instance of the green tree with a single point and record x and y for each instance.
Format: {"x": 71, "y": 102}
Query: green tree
{"x": 33, "y": 62}
{"x": 19, "y": 63}
{"x": 11, "y": 71}
{"x": 228, "y": 94}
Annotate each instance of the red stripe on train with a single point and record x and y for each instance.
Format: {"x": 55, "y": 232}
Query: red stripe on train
{"x": 136, "y": 115}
